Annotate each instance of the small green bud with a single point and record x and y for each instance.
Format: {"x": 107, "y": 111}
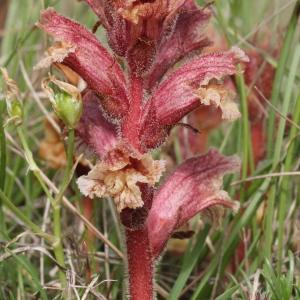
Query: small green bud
{"x": 15, "y": 111}
{"x": 67, "y": 108}
{"x": 12, "y": 95}
{"x": 66, "y": 100}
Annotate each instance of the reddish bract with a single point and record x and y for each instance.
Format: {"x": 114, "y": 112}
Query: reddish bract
{"x": 193, "y": 187}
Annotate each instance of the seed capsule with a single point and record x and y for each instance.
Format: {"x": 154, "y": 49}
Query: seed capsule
{"x": 66, "y": 100}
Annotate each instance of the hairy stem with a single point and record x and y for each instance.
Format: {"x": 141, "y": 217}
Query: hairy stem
{"x": 132, "y": 122}
{"x": 140, "y": 265}
{"x": 89, "y": 236}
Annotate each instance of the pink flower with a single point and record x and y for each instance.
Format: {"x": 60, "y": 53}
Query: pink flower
{"x": 133, "y": 98}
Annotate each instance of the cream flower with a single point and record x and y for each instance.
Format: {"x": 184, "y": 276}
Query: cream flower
{"x": 55, "y": 54}
{"x": 118, "y": 175}
{"x": 220, "y": 97}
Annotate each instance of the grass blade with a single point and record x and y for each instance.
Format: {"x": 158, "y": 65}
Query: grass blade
{"x": 190, "y": 259}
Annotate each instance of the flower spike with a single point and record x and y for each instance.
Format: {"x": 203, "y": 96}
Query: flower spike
{"x": 131, "y": 100}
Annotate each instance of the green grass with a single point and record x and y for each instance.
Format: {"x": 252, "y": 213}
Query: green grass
{"x": 33, "y": 264}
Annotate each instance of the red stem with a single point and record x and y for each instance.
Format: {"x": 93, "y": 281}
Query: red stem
{"x": 88, "y": 207}
{"x": 131, "y": 125}
{"x": 140, "y": 265}
{"x": 89, "y": 238}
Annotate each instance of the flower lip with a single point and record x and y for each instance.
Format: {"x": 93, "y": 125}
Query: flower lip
{"x": 134, "y": 11}
{"x": 55, "y": 54}
{"x": 118, "y": 175}
{"x": 220, "y": 97}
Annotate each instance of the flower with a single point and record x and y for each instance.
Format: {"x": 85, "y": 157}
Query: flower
{"x": 135, "y": 96}
{"x": 259, "y": 77}
{"x": 220, "y": 97}
{"x": 193, "y": 187}
{"x": 118, "y": 175}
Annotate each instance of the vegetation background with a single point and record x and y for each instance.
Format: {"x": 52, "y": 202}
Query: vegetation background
{"x": 252, "y": 255}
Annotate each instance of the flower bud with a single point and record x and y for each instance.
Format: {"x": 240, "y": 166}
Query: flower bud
{"x": 13, "y": 102}
{"x": 15, "y": 111}
{"x": 66, "y": 100}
